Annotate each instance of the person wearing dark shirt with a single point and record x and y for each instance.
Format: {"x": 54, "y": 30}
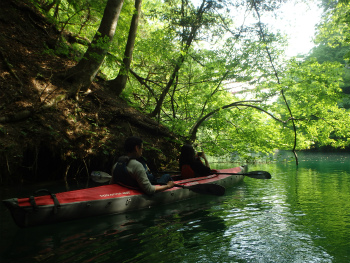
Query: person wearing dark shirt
{"x": 191, "y": 164}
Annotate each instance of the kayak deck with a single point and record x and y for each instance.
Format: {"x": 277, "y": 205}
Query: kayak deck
{"x": 106, "y": 199}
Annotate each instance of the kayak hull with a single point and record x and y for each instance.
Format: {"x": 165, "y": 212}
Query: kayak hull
{"x": 106, "y": 199}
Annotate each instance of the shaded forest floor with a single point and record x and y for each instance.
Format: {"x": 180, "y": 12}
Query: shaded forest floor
{"x": 42, "y": 140}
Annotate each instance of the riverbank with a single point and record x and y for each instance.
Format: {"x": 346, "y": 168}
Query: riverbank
{"x": 45, "y": 140}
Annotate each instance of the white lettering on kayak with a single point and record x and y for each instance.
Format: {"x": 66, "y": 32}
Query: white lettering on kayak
{"x": 114, "y": 194}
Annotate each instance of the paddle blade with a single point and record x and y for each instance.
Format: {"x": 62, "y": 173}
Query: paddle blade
{"x": 207, "y": 189}
{"x": 100, "y": 177}
{"x": 259, "y": 175}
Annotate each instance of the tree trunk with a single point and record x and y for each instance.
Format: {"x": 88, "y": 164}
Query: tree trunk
{"x": 118, "y": 84}
{"x": 85, "y": 71}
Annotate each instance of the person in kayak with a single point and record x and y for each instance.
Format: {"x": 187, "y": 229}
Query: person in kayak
{"x": 131, "y": 170}
{"x": 191, "y": 164}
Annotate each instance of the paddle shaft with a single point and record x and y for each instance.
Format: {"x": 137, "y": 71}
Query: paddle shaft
{"x": 253, "y": 174}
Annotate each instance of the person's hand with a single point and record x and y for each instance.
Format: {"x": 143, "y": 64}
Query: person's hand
{"x": 170, "y": 184}
{"x": 205, "y": 159}
{"x": 201, "y": 155}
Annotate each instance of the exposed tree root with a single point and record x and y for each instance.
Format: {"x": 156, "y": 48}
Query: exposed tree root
{"x": 19, "y": 116}
{"x": 9, "y": 66}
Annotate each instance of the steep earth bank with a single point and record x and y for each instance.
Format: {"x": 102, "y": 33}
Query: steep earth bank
{"x": 43, "y": 140}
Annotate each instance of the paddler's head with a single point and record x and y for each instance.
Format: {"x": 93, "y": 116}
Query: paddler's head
{"x": 133, "y": 146}
{"x": 188, "y": 153}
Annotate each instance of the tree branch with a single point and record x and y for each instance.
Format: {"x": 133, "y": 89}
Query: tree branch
{"x": 194, "y": 129}
{"x": 278, "y": 81}
{"x": 143, "y": 82}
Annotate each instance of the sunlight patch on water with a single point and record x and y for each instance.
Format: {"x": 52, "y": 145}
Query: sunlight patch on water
{"x": 270, "y": 238}
{"x": 268, "y": 229}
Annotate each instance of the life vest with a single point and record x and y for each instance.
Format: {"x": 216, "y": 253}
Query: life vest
{"x": 150, "y": 176}
{"x": 121, "y": 174}
{"x": 187, "y": 172}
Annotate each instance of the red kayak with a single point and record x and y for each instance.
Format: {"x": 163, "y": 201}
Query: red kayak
{"x": 113, "y": 199}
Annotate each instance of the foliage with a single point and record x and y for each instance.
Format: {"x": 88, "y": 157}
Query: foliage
{"x": 335, "y": 27}
{"x": 203, "y": 82}
{"x": 333, "y": 42}
{"x": 208, "y": 54}
{"x": 313, "y": 92}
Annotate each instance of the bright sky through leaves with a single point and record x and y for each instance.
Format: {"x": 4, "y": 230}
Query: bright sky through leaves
{"x": 298, "y": 20}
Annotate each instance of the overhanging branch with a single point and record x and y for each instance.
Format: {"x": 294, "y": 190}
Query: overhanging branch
{"x": 278, "y": 81}
{"x": 194, "y": 130}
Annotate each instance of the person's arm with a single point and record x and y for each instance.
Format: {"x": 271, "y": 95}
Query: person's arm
{"x": 160, "y": 188}
{"x": 205, "y": 159}
{"x": 199, "y": 168}
{"x": 138, "y": 172}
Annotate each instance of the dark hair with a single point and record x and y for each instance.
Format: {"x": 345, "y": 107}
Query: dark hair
{"x": 131, "y": 143}
{"x": 187, "y": 155}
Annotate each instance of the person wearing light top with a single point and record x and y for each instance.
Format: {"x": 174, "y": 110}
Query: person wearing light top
{"x": 131, "y": 172}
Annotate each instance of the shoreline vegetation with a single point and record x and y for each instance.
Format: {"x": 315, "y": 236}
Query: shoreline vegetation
{"x": 56, "y": 124}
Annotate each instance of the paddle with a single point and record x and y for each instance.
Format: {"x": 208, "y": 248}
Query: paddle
{"x": 253, "y": 174}
{"x": 100, "y": 177}
{"x": 208, "y": 189}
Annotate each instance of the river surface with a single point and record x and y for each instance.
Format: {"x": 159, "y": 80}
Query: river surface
{"x": 300, "y": 215}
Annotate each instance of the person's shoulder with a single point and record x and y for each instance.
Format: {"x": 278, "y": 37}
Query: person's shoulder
{"x": 134, "y": 162}
{"x": 123, "y": 159}
{"x": 141, "y": 159}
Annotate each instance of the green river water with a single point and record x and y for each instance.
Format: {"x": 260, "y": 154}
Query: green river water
{"x": 300, "y": 215}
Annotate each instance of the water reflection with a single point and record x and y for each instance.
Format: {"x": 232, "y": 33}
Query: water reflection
{"x": 268, "y": 232}
{"x": 300, "y": 215}
{"x": 132, "y": 237}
